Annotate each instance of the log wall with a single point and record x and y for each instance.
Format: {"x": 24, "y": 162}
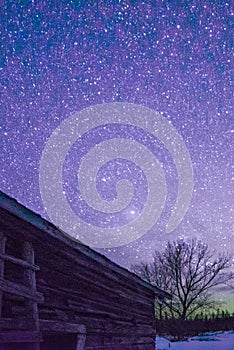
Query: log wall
{"x": 81, "y": 287}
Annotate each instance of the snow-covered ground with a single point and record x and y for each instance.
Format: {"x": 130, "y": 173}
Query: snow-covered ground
{"x": 207, "y": 341}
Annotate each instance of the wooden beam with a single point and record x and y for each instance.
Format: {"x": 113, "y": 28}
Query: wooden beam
{"x": 30, "y": 281}
{"x": 20, "y": 290}
{"x": 20, "y": 337}
{"x": 19, "y": 323}
{"x": 81, "y": 341}
{"x": 18, "y": 262}
{"x": 62, "y": 327}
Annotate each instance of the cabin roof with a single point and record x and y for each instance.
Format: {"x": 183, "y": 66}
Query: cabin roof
{"x": 17, "y": 209}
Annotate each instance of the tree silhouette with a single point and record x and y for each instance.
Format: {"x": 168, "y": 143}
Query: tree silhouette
{"x": 188, "y": 271}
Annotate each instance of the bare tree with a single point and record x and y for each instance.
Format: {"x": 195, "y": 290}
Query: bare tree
{"x": 188, "y": 271}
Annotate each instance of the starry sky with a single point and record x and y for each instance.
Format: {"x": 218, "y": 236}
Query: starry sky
{"x": 174, "y": 57}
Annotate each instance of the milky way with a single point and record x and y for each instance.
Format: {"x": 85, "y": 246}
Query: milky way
{"x": 59, "y": 57}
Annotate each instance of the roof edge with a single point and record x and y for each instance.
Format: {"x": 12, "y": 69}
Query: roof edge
{"x": 22, "y": 212}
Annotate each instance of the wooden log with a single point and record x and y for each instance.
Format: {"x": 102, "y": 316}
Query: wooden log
{"x": 81, "y": 305}
{"x": 110, "y": 312}
{"x": 13, "y": 288}
{"x": 82, "y": 287}
{"x": 62, "y": 327}
{"x": 80, "y": 282}
{"x": 81, "y": 341}
{"x": 19, "y": 323}
{"x": 30, "y": 281}
{"x": 131, "y": 342}
{"x": 96, "y": 296}
{"x": 83, "y": 268}
{"x": 19, "y": 262}
{"x": 20, "y": 337}
{"x": 71, "y": 257}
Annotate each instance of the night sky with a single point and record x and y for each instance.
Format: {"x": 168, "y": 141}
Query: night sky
{"x": 173, "y": 59}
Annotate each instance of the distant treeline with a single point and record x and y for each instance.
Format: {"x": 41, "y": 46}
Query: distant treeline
{"x": 180, "y": 329}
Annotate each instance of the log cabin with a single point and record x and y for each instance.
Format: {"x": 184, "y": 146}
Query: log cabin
{"x": 58, "y": 294}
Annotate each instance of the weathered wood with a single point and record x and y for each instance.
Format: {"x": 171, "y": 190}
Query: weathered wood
{"x": 112, "y": 313}
{"x": 121, "y": 343}
{"x": 84, "y": 314}
{"x": 29, "y": 293}
{"x": 34, "y": 226}
{"x": 29, "y": 275}
{"x": 81, "y": 341}
{"x": 30, "y": 280}
{"x": 80, "y": 281}
{"x": 11, "y": 287}
{"x": 17, "y": 261}
{"x": 81, "y": 287}
{"x": 20, "y": 337}
{"x": 2, "y": 264}
{"x": 62, "y": 327}
{"x": 71, "y": 258}
{"x": 103, "y": 301}
{"x": 19, "y": 323}
{"x": 77, "y": 301}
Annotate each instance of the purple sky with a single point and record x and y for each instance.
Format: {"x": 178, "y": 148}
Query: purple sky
{"x": 58, "y": 57}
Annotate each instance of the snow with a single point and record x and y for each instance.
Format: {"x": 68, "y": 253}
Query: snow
{"x": 207, "y": 341}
